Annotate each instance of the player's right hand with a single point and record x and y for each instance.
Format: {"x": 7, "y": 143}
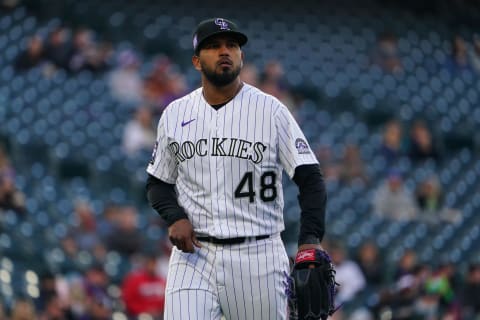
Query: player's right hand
{"x": 182, "y": 236}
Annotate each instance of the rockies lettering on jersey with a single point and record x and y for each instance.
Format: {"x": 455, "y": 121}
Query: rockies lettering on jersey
{"x": 238, "y": 148}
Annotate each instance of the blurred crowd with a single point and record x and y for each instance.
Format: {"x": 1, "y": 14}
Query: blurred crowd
{"x": 405, "y": 289}
{"x": 63, "y": 48}
{"x": 464, "y": 54}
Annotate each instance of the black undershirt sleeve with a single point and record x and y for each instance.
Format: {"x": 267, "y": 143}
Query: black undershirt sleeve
{"x": 163, "y": 198}
{"x": 312, "y": 199}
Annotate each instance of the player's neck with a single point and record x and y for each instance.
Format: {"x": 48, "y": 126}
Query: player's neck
{"x": 217, "y": 95}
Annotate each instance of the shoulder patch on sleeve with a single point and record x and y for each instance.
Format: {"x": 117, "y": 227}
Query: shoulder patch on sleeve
{"x": 302, "y": 146}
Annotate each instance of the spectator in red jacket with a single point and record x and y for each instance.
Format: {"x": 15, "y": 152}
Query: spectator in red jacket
{"x": 143, "y": 290}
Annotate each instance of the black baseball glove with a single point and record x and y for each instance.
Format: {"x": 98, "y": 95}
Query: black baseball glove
{"x": 311, "y": 286}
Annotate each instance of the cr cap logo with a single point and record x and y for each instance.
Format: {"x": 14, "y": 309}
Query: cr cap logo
{"x": 302, "y": 146}
{"x": 222, "y": 24}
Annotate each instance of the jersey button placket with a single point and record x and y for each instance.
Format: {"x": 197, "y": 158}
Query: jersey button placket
{"x": 220, "y": 160}
{"x": 214, "y": 174}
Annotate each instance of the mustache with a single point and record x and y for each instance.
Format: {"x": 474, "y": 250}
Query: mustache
{"x": 225, "y": 60}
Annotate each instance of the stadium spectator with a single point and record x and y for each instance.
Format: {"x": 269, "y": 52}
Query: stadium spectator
{"x": 47, "y": 287}
{"x": 143, "y": 290}
{"x": 125, "y": 81}
{"x": 430, "y": 201}
{"x": 429, "y": 196}
{"x": 85, "y": 228}
{"x": 57, "y": 47}
{"x": 386, "y": 53}
{"x": 163, "y": 84}
{"x": 98, "y": 302}
{"x": 99, "y": 253}
{"x": 370, "y": 262}
{"x": 32, "y": 56}
{"x": 139, "y": 133}
{"x": 392, "y": 200}
{"x": 10, "y": 197}
{"x": 406, "y": 265}
{"x": 402, "y": 295}
{"x": 458, "y": 61}
{"x": 71, "y": 263}
{"x": 23, "y": 309}
{"x": 421, "y": 145}
{"x": 438, "y": 294}
{"x": 55, "y": 310}
{"x": 87, "y": 54}
{"x": 471, "y": 293}
{"x": 348, "y": 274}
{"x": 106, "y": 223}
{"x": 352, "y": 168}
{"x": 126, "y": 238}
{"x": 391, "y": 148}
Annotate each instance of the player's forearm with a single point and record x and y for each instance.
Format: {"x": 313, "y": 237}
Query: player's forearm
{"x": 312, "y": 199}
{"x": 163, "y": 199}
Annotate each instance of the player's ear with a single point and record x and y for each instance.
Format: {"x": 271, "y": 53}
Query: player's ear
{"x": 196, "y": 62}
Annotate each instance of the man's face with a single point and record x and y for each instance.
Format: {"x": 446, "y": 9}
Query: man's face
{"x": 219, "y": 59}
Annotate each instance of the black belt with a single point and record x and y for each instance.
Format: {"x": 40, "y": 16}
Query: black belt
{"x": 237, "y": 240}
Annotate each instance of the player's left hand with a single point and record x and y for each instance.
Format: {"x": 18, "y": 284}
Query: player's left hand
{"x": 182, "y": 236}
{"x": 311, "y": 285}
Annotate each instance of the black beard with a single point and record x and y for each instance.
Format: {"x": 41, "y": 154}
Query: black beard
{"x": 224, "y": 78}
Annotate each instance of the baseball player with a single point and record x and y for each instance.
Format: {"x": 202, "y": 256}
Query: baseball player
{"x": 216, "y": 178}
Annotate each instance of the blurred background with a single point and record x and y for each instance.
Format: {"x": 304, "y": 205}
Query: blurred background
{"x": 387, "y": 92}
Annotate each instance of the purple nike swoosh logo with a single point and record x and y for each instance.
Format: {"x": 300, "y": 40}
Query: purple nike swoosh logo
{"x": 184, "y": 123}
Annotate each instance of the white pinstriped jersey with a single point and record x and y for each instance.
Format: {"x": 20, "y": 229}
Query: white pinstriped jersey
{"x": 227, "y": 163}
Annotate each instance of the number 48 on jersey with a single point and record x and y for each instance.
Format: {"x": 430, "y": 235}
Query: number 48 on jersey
{"x": 267, "y": 188}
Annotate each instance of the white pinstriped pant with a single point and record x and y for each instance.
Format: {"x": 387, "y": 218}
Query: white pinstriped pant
{"x": 242, "y": 281}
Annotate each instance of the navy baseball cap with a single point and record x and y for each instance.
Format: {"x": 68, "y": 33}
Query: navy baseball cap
{"x": 214, "y": 26}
